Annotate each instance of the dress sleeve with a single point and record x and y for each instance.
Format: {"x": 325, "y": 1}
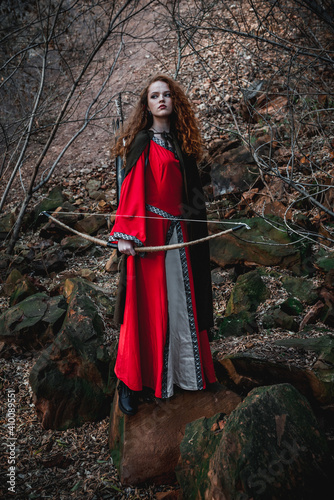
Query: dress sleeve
{"x": 130, "y": 223}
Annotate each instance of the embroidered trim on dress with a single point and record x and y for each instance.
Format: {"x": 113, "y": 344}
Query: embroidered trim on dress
{"x": 164, "y": 214}
{"x": 183, "y": 257}
{"x": 128, "y": 237}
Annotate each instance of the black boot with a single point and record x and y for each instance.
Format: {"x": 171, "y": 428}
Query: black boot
{"x": 127, "y": 400}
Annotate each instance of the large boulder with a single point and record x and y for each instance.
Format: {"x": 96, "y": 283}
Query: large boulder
{"x": 270, "y": 447}
{"x": 262, "y": 245}
{"x": 33, "y": 322}
{"x": 250, "y": 369}
{"x": 145, "y": 447}
{"x": 70, "y": 379}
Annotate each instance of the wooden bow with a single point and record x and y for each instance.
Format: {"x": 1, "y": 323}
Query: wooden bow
{"x": 174, "y": 246}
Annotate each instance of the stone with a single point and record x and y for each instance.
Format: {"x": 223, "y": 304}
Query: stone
{"x": 327, "y": 314}
{"x": 168, "y": 495}
{"x": 11, "y": 281}
{"x": 113, "y": 263}
{"x": 87, "y": 274}
{"x": 273, "y": 107}
{"x": 231, "y": 174}
{"x": 70, "y": 378}
{"x": 269, "y": 447}
{"x": 53, "y": 259}
{"x": 25, "y": 288}
{"x": 90, "y": 224}
{"x": 247, "y": 370}
{"x": 233, "y": 168}
{"x": 292, "y": 306}
{"x": 145, "y": 447}
{"x": 247, "y": 247}
{"x": 247, "y": 294}
{"x": 4, "y": 265}
{"x": 54, "y": 199}
{"x": 65, "y": 214}
{"x": 9, "y": 262}
{"x": 75, "y": 244}
{"x": 98, "y": 294}
{"x": 236, "y": 325}
{"x": 312, "y": 315}
{"x": 325, "y": 260}
{"x": 301, "y": 288}
{"x": 323, "y": 368}
{"x": 7, "y": 222}
{"x": 276, "y": 317}
{"x": 93, "y": 185}
{"x": 320, "y": 345}
{"x": 33, "y": 322}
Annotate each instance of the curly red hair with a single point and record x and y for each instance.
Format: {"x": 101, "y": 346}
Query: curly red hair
{"x": 183, "y": 120}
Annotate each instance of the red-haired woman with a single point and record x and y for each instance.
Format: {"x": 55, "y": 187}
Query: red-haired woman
{"x": 164, "y": 301}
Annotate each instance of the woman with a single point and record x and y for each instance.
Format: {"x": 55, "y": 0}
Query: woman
{"x": 165, "y": 301}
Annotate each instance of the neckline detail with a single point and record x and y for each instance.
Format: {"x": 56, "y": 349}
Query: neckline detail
{"x": 162, "y": 143}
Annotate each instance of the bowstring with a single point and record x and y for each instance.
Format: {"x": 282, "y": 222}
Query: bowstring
{"x": 146, "y": 217}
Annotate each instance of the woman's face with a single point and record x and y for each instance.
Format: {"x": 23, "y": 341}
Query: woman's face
{"x": 159, "y": 100}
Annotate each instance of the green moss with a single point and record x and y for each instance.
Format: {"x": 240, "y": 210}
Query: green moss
{"x": 247, "y": 294}
{"x": 301, "y": 288}
{"x": 243, "y": 323}
{"x": 197, "y": 447}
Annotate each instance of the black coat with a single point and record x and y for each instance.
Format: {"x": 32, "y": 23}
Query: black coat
{"x": 193, "y": 208}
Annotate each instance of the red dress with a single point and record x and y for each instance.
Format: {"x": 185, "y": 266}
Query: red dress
{"x": 159, "y": 343}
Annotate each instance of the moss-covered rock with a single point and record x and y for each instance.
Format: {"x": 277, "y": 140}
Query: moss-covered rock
{"x": 13, "y": 278}
{"x": 248, "y": 369}
{"x": 7, "y": 222}
{"x": 75, "y": 244}
{"x": 200, "y": 443}
{"x": 236, "y": 325}
{"x": 277, "y": 250}
{"x": 70, "y": 379}
{"x": 54, "y": 199}
{"x": 270, "y": 447}
{"x": 323, "y": 369}
{"x": 325, "y": 260}
{"x": 301, "y": 288}
{"x": 34, "y": 321}
{"x": 24, "y": 288}
{"x": 276, "y": 317}
{"x": 292, "y": 306}
{"x": 247, "y": 294}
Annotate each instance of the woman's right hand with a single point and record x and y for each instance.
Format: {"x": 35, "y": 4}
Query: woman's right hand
{"x": 125, "y": 246}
